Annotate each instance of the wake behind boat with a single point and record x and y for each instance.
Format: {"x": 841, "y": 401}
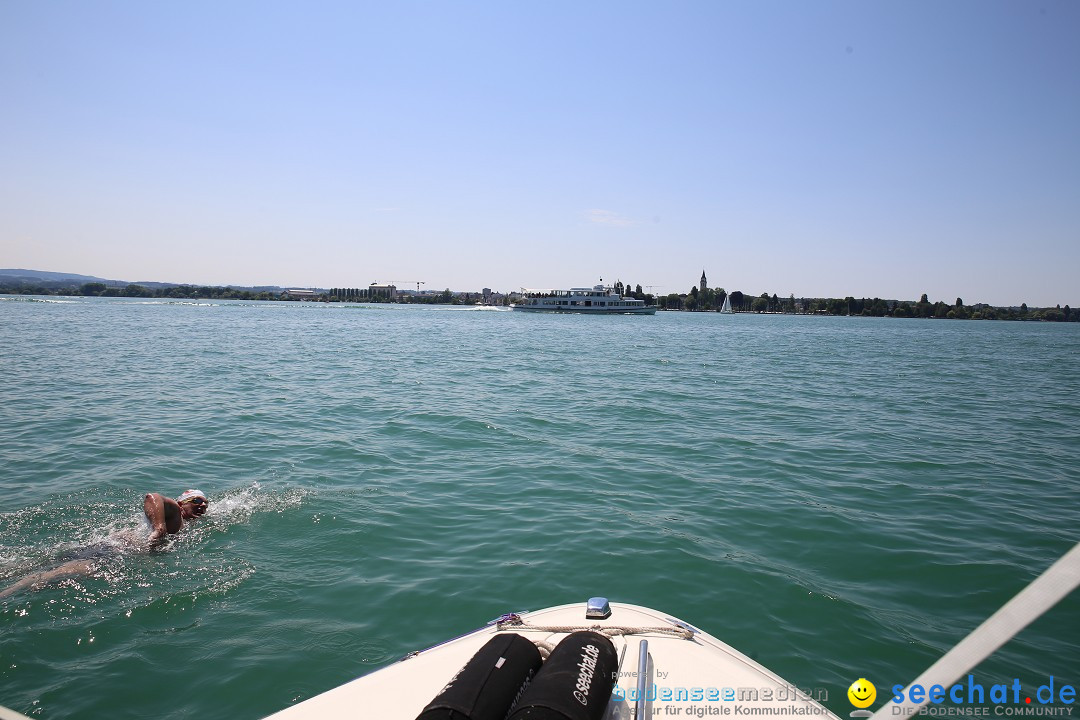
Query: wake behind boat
{"x": 600, "y": 660}
{"x": 597, "y": 300}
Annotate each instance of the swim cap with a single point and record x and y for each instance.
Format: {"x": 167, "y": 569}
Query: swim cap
{"x": 191, "y": 495}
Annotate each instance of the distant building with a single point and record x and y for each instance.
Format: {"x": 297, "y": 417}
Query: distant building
{"x": 704, "y": 283}
{"x": 300, "y": 294}
{"x": 386, "y": 291}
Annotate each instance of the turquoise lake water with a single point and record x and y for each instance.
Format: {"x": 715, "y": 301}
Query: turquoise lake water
{"x": 836, "y": 497}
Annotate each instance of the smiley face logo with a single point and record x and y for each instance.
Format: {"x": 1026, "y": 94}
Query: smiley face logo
{"x": 862, "y": 693}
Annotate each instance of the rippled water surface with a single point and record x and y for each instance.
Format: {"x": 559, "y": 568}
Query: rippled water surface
{"x": 836, "y": 497}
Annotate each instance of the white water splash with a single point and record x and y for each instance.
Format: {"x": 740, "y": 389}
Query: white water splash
{"x": 237, "y": 506}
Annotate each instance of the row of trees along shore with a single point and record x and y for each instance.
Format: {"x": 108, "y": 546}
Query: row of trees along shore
{"x": 207, "y": 292}
{"x": 711, "y": 300}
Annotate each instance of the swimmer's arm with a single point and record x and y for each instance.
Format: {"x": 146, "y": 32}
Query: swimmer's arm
{"x": 154, "y": 507}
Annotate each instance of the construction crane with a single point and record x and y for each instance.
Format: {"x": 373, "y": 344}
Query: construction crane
{"x": 410, "y": 282}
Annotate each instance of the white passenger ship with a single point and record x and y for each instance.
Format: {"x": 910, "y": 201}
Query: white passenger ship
{"x": 599, "y": 299}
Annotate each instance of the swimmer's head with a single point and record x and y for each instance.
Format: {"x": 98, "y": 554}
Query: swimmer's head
{"x": 192, "y": 503}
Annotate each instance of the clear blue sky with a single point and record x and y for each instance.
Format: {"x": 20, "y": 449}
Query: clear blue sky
{"x": 818, "y": 148}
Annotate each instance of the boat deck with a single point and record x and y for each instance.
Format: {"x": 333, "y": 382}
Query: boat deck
{"x": 689, "y": 672}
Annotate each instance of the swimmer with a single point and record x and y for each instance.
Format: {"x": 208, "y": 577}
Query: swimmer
{"x": 163, "y": 516}
{"x": 166, "y": 515}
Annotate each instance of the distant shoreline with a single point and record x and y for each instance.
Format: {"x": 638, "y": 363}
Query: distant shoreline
{"x": 698, "y": 299}
{"x": 763, "y": 305}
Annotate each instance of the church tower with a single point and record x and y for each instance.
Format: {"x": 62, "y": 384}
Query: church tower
{"x": 704, "y": 283}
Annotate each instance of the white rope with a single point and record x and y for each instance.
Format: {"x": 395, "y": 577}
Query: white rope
{"x": 544, "y": 647}
{"x": 1044, "y": 592}
{"x": 608, "y": 630}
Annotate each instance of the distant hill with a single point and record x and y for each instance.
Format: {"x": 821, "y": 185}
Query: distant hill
{"x": 37, "y": 276}
{"x": 54, "y": 280}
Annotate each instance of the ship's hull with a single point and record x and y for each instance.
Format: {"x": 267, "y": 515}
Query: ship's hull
{"x": 646, "y": 310}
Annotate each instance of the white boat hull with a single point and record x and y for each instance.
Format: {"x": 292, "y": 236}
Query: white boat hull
{"x": 692, "y": 676}
{"x": 648, "y": 310}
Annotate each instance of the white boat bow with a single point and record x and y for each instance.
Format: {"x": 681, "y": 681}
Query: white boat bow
{"x": 666, "y": 667}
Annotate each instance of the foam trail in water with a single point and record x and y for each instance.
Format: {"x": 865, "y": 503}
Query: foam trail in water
{"x": 239, "y": 505}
